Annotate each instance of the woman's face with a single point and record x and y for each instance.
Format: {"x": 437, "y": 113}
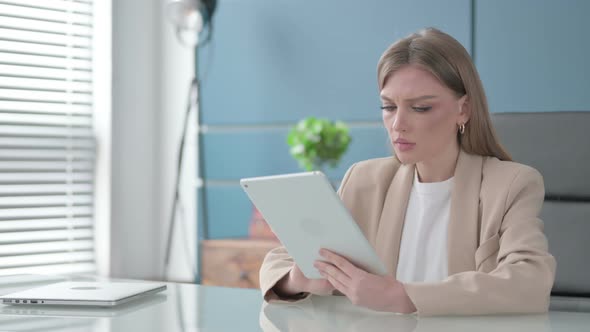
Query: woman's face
{"x": 421, "y": 115}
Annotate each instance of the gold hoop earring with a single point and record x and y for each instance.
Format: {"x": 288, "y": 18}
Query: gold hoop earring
{"x": 462, "y": 128}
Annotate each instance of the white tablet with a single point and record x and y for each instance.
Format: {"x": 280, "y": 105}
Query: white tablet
{"x": 306, "y": 214}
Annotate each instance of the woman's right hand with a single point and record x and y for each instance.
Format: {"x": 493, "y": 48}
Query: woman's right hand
{"x": 295, "y": 282}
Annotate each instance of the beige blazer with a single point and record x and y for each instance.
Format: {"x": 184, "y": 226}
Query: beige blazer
{"x": 498, "y": 260}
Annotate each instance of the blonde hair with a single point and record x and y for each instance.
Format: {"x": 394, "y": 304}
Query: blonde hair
{"x": 444, "y": 57}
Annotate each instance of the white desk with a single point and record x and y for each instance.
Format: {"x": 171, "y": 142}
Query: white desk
{"x": 185, "y": 307}
{"x": 337, "y": 314}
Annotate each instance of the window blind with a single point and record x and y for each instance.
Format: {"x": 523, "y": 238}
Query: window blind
{"x": 47, "y": 148}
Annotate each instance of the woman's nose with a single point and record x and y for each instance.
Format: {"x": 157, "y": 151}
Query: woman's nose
{"x": 399, "y": 120}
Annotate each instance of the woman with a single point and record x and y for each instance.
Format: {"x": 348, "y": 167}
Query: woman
{"x": 452, "y": 217}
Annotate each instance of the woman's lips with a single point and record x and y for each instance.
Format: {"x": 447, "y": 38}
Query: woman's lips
{"x": 403, "y": 145}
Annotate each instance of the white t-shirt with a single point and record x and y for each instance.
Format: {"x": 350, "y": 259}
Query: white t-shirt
{"x": 423, "y": 247}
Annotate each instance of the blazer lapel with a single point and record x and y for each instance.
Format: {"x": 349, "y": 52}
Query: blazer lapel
{"x": 463, "y": 232}
{"x": 392, "y": 218}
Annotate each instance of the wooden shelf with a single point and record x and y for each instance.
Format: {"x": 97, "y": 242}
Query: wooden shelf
{"x": 233, "y": 262}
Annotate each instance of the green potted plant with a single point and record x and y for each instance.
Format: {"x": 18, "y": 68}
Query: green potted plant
{"x": 315, "y": 143}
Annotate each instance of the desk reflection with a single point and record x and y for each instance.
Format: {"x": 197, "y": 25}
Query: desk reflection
{"x": 336, "y": 313}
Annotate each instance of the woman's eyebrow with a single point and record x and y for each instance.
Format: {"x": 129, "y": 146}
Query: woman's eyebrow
{"x": 421, "y": 98}
{"x": 385, "y": 98}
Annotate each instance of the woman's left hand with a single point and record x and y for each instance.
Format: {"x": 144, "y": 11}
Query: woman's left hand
{"x": 381, "y": 293}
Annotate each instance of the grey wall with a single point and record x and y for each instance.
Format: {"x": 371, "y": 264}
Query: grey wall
{"x": 151, "y": 75}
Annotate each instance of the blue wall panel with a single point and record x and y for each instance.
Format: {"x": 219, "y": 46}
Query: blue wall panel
{"x": 275, "y": 62}
{"x": 533, "y": 54}
{"x": 278, "y": 61}
{"x": 229, "y": 210}
{"x": 256, "y": 153}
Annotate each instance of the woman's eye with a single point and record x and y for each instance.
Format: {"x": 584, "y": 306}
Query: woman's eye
{"x": 389, "y": 108}
{"x": 421, "y": 109}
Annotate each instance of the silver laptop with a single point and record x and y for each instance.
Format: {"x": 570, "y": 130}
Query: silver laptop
{"x": 102, "y": 294}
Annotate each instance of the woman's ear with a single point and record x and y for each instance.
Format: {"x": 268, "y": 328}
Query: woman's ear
{"x": 464, "y": 109}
